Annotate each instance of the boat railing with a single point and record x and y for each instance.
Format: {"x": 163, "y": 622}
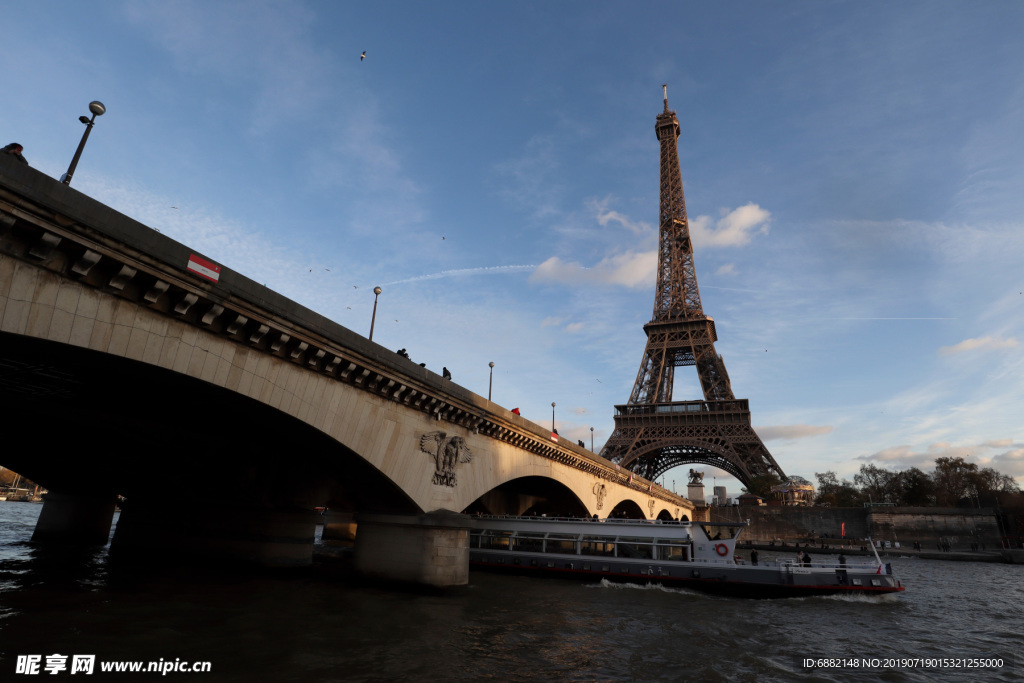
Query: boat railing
{"x": 857, "y": 566}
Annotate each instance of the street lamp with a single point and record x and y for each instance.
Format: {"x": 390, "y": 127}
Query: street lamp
{"x": 97, "y": 109}
{"x": 552, "y": 416}
{"x": 490, "y": 382}
{"x": 592, "y": 440}
{"x": 376, "y": 293}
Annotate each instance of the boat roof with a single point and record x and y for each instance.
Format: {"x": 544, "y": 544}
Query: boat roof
{"x": 593, "y": 527}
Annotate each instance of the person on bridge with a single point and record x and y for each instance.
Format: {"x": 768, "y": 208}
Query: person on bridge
{"x": 445, "y": 374}
{"x": 15, "y": 150}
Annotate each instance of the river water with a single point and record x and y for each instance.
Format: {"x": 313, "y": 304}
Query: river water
{"x": 318, "y": 625}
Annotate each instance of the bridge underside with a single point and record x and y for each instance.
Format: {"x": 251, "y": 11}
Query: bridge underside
{"x": 110, "y": 426}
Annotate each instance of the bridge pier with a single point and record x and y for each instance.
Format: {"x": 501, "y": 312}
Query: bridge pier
{"x": 429, "y": 550}
{"x": 179, "y": 531}
{"x": 74, "y": 519}
{"x": 339, "y": 526}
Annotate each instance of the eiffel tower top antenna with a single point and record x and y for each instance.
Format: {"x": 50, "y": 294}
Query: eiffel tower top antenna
{"x": 664, "y": 90}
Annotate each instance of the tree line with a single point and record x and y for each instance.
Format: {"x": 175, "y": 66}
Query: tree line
{"x": 953, "y": 483}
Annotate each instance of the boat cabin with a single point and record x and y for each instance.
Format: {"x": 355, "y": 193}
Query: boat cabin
{"x": 622, "y": 538}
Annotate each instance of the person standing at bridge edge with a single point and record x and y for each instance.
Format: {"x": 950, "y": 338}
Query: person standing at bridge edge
{"x": 15, "y": 150}
{"x": 445, "y": 374}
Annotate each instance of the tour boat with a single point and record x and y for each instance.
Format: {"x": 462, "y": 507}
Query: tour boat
{"x": 698, "y": 555}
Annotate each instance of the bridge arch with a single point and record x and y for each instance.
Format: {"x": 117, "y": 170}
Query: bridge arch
{"x": 628, "y": 508}
{"x": 190, "y": 441}
{"x": 530, "y": 495}
{"x": 653, "y": 459}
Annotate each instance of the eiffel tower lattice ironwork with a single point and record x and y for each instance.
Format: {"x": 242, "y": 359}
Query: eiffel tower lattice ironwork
{"x": 653, "y": 433}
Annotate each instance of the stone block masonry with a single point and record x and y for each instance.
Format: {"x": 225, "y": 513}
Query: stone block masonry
{"x": 927, "y": 525}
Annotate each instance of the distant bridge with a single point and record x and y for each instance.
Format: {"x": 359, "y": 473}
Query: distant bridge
{"x": 224, "y": 412}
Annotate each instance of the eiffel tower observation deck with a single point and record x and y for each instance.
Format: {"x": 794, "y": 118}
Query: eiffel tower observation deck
{"x": 653, "y": 433}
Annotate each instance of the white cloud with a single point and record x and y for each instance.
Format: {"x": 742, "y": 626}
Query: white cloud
{"x": 734, "y": 229}
{"x": 980, "y": 344}
{"x": 574, "y": 327}
{"x": 606, "y": 216}
{"x": 727, "y": 269}
{"x": 1010, "y": 462}
{"x": 631, "y": 269}
{"x": 791, "y": 431}
{"x": 903, "y": 457}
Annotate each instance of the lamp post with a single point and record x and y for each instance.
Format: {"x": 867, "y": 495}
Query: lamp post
{"x": 97, "y": 109}
{"x": 490, "y": 382}
{"x": 552, "y": 416}
{"x": 591, "y": 439}
{"x": 376, "y": 293}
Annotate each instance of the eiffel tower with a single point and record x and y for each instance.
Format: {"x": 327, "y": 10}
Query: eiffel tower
{"x": 653, "y": 433}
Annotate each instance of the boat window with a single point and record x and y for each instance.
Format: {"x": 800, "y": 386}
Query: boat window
{"x": 560, "y": 544}
{"x": 494, "y": 540}
{"x": 677, "y": 553}
{"x": 636, "y": 548}
{"x": 530, "y": 543}
{"x": 597, "y": 545}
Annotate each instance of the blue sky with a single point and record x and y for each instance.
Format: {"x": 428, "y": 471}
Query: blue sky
{"x": 853, "y": 174}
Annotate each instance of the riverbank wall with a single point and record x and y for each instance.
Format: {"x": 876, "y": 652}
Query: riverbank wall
{"x": 956, "y": 529}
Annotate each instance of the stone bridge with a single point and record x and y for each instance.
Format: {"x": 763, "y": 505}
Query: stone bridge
{"x": 224, "y": 413}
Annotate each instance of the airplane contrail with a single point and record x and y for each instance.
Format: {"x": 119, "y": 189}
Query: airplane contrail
{"x": 485, "y": 270}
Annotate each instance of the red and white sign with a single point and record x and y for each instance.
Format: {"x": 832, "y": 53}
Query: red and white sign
{"x": 554, "y": 436}
{"x": 204, "y": 268}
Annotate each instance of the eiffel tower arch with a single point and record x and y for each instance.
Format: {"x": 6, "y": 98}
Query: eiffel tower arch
{"x": 653, "y": 433}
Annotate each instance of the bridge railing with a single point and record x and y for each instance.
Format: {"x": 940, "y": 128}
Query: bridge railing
{"x": 740, "y": 405}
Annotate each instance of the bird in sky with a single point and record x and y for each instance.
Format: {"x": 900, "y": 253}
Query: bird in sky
{"x": 362, "y": 56}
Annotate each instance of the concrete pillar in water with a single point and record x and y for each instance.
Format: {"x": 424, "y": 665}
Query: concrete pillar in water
{"x": 74, "y": 519}
{"x": 271, "y": 538}
{"x": 430, "y": 549}
{"x": 339, "y": 526}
